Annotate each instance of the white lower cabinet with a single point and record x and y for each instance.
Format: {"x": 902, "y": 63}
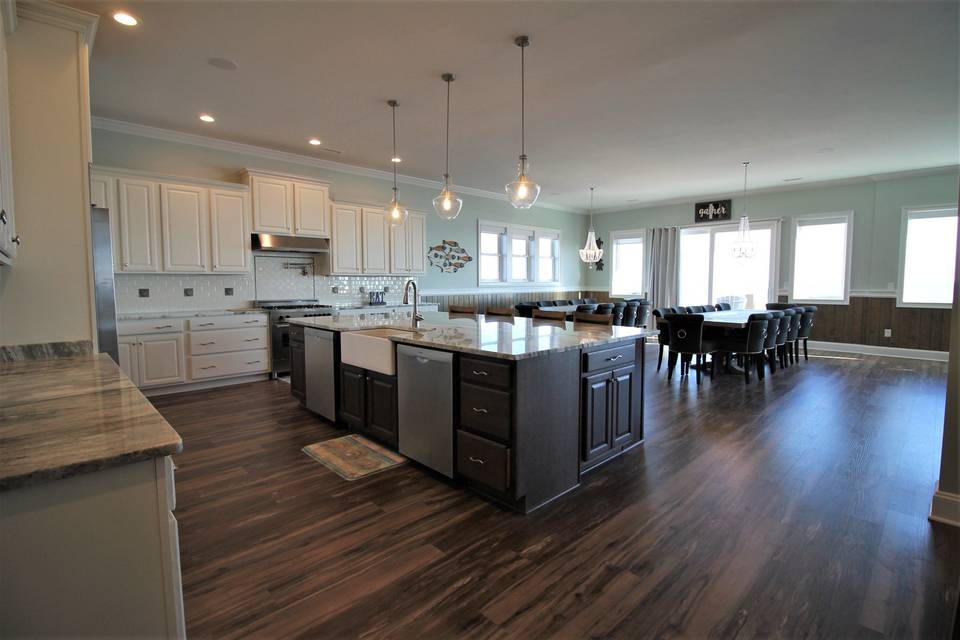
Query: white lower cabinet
{"x": 229, "y": 364}
{"x": 152, "y": 359}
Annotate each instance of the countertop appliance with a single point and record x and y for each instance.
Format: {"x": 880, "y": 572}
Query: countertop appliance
{"x": 321, "y": 367}
{"x": 103, "y": 290}
{"x": 281, "y": 311}
{"x": 425, "y": 406}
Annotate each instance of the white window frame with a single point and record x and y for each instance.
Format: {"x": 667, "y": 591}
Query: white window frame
{"x": 621, "y": 235}
{"x": 554, "y": 237}
{"x": 508, "y": 232}
{"x": 773, "y": 223}
{"x": 823, "y": 218}
{"x": 928, "y": 211}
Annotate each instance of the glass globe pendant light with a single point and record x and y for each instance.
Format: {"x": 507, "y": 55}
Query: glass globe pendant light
{"x": 447, "y": 204}
{"x": 591, "y": 253}
{"x": 743, "y": 246}
{"x": 523, "y": 191}
{"x": 396, "y": 212}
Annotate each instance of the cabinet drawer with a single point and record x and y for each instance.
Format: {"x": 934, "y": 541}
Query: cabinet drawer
{"x": 237, "y": 321}
{"x": 483, "y": 460}
{"x": 485, "y": 410}
{"x": 229, "y": 364}
{"x": 224, "y": 340}
{"x": 609, "y": 358}
{"x": 485, "y": 372}
{"x": 143, "y": 327}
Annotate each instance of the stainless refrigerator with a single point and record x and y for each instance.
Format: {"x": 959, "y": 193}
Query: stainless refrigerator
{"x": 103, "y": 292}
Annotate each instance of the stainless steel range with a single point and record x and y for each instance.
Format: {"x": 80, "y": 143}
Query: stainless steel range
{"x": 281, "y": 311}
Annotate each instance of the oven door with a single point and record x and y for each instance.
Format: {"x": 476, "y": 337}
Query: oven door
{"x": 280, "y": 347}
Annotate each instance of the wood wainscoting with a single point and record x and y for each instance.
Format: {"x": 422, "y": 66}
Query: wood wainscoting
{"x": 864, "y": 319}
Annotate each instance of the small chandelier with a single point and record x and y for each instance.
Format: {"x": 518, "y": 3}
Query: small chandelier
{"x": 396, "y": 212}
{"x": 591, "y": 253}
{"x": 743, "y": 246}
{"x": 523, "y": 191}
{"x": 447, "y": 204}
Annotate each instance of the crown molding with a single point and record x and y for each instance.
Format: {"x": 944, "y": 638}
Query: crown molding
{"x": 58, "y": 15}
{"x": 839, "y": 182}
{"x": 169, "y": 135}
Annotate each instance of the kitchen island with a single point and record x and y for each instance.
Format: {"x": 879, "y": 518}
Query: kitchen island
{"x": 534, "y": 403}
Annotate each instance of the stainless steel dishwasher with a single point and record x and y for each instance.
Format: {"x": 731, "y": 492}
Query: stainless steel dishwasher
{"x": 425, "y": 405}
{"x": 321, "y": 367}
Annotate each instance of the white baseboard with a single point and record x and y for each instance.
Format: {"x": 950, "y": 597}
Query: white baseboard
{"x": 873, "y": 350}
{"x": 945, "y": 507}
{"x": 206, "y": 384}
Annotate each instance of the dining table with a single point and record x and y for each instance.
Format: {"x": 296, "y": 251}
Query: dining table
{"x": 731, "y": 319}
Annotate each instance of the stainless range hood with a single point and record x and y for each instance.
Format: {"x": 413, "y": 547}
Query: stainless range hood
{"x": 296, "y": 244}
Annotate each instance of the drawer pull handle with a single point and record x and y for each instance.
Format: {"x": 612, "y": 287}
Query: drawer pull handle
{"x": 164, "y": 326}
{"x": 616, "y": 357}
{"x": 478, "y": 460}
{"x": 422, "y": 360}
{"x": 252, "y": 340}
{"x": 206, "y": 324}
{"x": 254, "y": 362}
{"x": 478, "y": 410}
{"x": 212, "y": 366}
{"x": 207, "y": 344}
{"x": 479, "y": 373}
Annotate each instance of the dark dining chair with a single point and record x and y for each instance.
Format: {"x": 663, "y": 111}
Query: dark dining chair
{"x": 500, "y": 311}
{"x": 630, "y": 314}
{"x": 593, "y": 318}
{"x": 550, "y": 315}
{"x": 749, "y": 343}
{"x": 664, "y": 337}
{"x": 687, "y": 342}
{"x": 694, "y": 309}
{"x": 562, "y": 303}
{"x": 463, "y": 309}
{"x": 793, "y": 335}
{"x": 770, "y": 343}
{"x": 678, "y": 310}
{"x": 586, "y": 308}
{"x": 723, "y": 306}
{"x": 618, "y": 309}
{"x": 525, "y": 309}
{"x": 605, "y": 308}
{"x": 589, "y": 301}
{"x": 783, "y": 334}
{"x": 547, "y": 303}
{"x": 806, "y": 329}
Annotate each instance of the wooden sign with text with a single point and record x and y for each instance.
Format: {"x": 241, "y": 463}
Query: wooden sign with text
{"x": 714, "y": 211}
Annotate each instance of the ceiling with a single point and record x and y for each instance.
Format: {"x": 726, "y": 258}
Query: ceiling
{"x": 647, "y": 101}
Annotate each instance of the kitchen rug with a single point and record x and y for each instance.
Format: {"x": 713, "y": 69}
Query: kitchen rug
{"x": 353, "y": 457}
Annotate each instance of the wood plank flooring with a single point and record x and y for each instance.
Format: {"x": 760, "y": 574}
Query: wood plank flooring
{"x": 792, "y": 508}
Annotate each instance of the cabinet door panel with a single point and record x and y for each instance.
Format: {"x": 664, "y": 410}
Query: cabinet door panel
{"x": 311, "y": 210}
{"x": 597, "y": 438}
{"x": 138, "y": 225}
{"x": 382, "y": 407}
{"x": 127, "y": 352}
{"x": 161, "y": 359}
{"x": 376, "y": 241}
{"x": 621, "y": 413}
{"x": 353, "y": 396}
{"x": 103, "y": 194}
{"x": 399, "y": 256}
{"x": 8, "y": 225}
{"x": 347, "y": 240}
{"x": 183, "y": 213}
{"x": 229, "y": 239}
{"x": 272, "y": 205}
{"x": 416, "y": 243}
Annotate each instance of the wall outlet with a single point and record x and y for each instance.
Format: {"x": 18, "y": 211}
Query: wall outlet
{"x": 888, "y": 333}
{"x": 143, "y": 293}
{"x": 188, "y": 292}
{"x": 228, "y": 291}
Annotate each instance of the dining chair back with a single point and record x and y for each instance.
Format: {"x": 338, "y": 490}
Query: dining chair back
{"x": 550, "y": 315}
{"x": 694, "y": 309}
{"x": 686, "y": 342}
{"x": 593, "y": 318}
{"x": 605, "y": 308}
{"x": 589, "y": 301}
{"x": 678, "y": 309}
{"x": 723, "y": 306}
{"x": 806, "y": 329}
{"x": 618, "y": 309}
{"x": 630, "y": 314}
{"x": 783, "y": 335}
{"x": 547, "y": 303}
{"x": 500, "y": 311}
{"x": 664, "y": 337}
{"x": 749, "y": 343}
{"x": 586, "y": 308}
{"x": 770, "y": 343}
{"x": 461, "y": 308}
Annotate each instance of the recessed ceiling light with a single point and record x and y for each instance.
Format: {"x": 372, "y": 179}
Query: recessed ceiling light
{"x": 206, "y": 117}
{"x": 396, "y": 159}
{"x": 315, "y": 142}
{"x": 223, "y": 64}
{"x": 125, "y": 19}
{"x": 792, "y": 179}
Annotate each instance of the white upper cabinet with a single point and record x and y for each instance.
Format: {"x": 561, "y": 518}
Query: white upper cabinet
{"x": 376, "y": 241}
{"x": 311, "y": 209}
{"x": 272, "y": 204}
{"x": 103, "y": 194}
{"x": 184, "y": 218}
{"x": 347, "y": 243}
{"x": 139, "y": 246}
{"x": 229, "y": 237}
{"x": 408, "y": 245}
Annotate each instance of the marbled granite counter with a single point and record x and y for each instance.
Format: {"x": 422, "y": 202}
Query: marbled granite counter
{"x": 203, "y": 313}
{"x": 60, "y": 418}
{"x": 491, "y": 336}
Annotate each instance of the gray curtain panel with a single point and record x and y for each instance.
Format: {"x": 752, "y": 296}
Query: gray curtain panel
{"x": 660, "y": 271}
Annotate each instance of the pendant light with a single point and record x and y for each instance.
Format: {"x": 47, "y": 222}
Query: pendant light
{"x": 743, "y": 247}
{"x": 522, "y": 192}
{"x": 591, "y": 253}
{"x": 447, "y": 204}
{"x": 396, "y": 212}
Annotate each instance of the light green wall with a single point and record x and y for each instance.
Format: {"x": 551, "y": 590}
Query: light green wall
{"x": 146, "y": 154}
{"x": 877, "y": 207}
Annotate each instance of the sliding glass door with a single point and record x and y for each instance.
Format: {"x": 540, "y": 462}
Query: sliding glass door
{"x": 709, "y": 271}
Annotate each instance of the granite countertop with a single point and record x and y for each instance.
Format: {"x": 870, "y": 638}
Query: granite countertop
{"x": 60, "y": 418}
{"x": 155, "y": 315}
{"x": 493, "y": 336}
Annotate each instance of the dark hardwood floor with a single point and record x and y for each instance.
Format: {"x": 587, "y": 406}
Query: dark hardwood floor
{"x": 795, "y": 508}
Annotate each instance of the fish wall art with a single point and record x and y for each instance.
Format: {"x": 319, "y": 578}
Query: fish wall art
{"x": 448, "y": 256}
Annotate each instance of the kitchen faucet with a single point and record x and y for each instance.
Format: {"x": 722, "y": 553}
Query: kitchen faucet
{"x": 406, "y": 300}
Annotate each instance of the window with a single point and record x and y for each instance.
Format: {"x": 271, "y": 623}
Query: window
{"x": 708, "y": 271}
{"x": 626, "y": 278}
{"x": 821, "y": 258}
{"x": 515, "y": 255}
{"x": 928, "y": 254}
